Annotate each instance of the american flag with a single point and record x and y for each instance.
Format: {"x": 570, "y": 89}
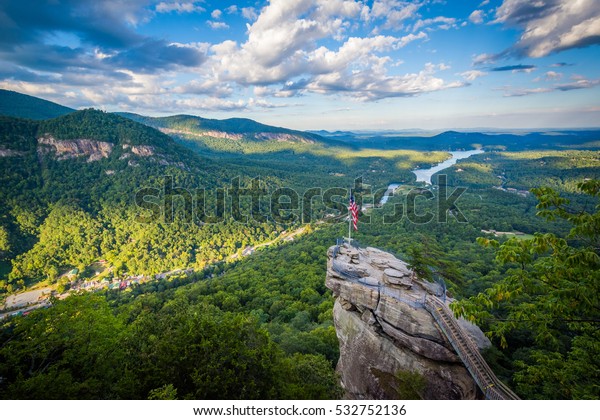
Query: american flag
{"x": 353, "y": 208}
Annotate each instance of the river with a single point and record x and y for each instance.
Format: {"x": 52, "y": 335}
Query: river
{"x": 424, "y": 175}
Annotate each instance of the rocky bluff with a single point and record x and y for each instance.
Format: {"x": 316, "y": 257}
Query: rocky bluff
{"x": 391, "y": 346}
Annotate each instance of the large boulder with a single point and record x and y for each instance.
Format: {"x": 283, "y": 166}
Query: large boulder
{"x": 391, "y": 347}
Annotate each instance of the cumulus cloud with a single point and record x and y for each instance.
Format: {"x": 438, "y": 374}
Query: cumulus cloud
{"x": 281, "y": 48}
{"x": 249, "y": 13}
{"x": 477, "y": 16}
{"x": 101, "y": 36}
{"x": 393, "y": 12}
{"x": 94, "y": 51}
{"x": 179, "y": 7}
{"x": 205, "y": 87}
{"x": 551, "y": 26}
{"x": 217, "y": 24}
{"x": 440, "y": 22}
{"x": 376, "y": 84}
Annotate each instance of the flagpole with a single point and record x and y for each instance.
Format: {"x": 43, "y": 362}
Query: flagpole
{"x": 350, "y": 220}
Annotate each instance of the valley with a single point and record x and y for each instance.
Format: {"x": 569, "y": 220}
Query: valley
{"x": 104, "y": 211}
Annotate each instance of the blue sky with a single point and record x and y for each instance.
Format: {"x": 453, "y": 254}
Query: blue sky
{"x": 314, "y": 64}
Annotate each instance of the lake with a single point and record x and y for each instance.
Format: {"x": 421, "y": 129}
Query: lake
{"x": 424, "y": 175}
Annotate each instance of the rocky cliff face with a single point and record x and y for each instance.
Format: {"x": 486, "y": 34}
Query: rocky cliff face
{"x": 390, "y": 346}
{"x": 96, "y": 150}
{"x": 280, "y": 137}
{"x": 65, "y": 149}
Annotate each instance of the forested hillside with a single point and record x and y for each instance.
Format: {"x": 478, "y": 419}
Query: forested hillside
{"x": 245, "y": 300}
{"x": 69, "y": 188}
{"x": 13, "y": 104}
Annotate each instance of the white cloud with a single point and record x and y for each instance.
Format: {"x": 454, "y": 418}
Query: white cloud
{"x": 374, "y": 83}
{"x": 262, "y": 91}
{"x": 354, "y": 50}
{"x": 564, "y": 87}
{"x": 279, "y": 33}
{"x": 442, "y": 22}
{"x": 393, "y": 12}
{"x": 29, "y": 88}
{"x": 484, "y": 59}
{"x": 292, "y": 49}
{"x": 205, "y": 87}
{"x": 471, "y": 75}
{"x": 217, "y": 104}
{"x": 550, "y": 26}
{"x": 476, "y": 17}
{"x": 552, "y": 75}
{"x": 281, "y": 49}
{"x": 579, "y": 84}
{"x": 179, "y": 7}
{"x": 526, "y": 92}
{"x": 217, "y": 25}
{"x": 249, "y": 13}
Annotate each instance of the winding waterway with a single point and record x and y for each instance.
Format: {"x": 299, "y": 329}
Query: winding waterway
{"x": 424, "y": 175}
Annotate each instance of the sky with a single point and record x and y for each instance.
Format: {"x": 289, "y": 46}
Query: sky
{"x": 314, "y": 64}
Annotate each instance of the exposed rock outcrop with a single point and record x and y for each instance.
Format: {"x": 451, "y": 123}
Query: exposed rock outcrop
{"x": 386, "y": 335}
{"x": 67, "y": 149}
{"x": 139, "y": 150}
{"x": 283, "y": 137}
{"x": 96, "y": 150}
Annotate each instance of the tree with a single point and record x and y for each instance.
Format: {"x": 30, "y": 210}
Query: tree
{"x": 552, "y": 293}
{"x": 5, "y": 247}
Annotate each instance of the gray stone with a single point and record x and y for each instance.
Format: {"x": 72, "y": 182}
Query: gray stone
{"x": 383, "y": 329}
{"x": 369, "y": 362}
{"x": 395, "y": 277}
{"x": 478, "y": 337}
{"x": 390, "y": 272}
{"x": 369, "y": 281}
{"x": 368, "y": 317}
{"x": 399, "y": 265}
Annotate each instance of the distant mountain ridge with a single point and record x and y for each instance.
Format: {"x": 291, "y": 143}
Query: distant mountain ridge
{"x": 19, "y": 105}
{"x": 242, "y": 133}
{"x": 454, "y": 140}
{"x": 231, "y": 128}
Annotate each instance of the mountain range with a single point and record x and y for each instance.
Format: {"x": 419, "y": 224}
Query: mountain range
{"x": 239, "y": 134}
